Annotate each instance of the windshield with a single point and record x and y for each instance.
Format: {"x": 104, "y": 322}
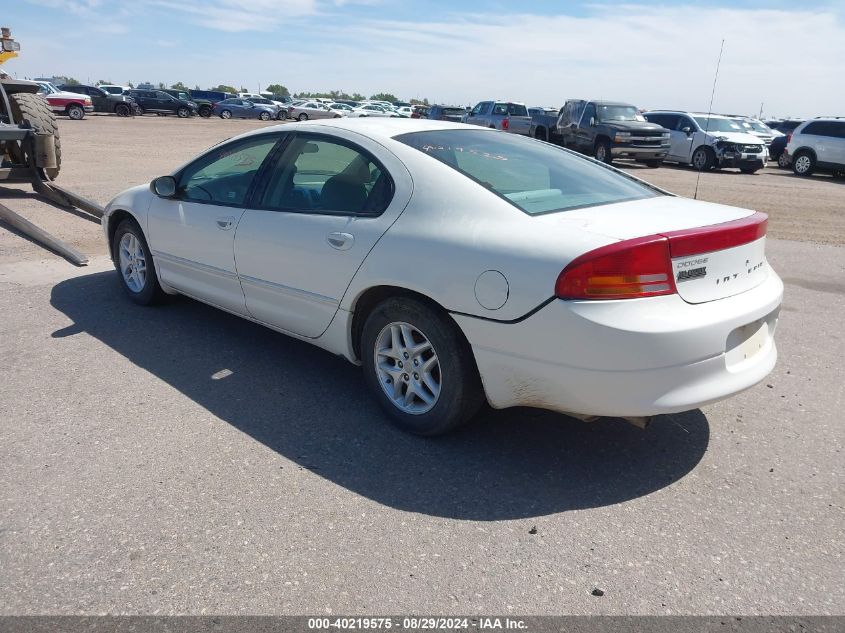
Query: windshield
{"x": 619, "y": 113}
{"x": 534, "y": 177}
{"x": 47, "y": 88}
{"x": 759, "y": 126}
{"x": 713, "y": 124}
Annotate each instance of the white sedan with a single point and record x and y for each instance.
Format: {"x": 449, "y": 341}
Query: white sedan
{"x": 460, "y": 265}
{"x": 370, "y": 110}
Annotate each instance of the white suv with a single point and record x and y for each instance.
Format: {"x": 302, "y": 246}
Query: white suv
{"x": 706, "y": 141}
{"x": 818, "y": 145}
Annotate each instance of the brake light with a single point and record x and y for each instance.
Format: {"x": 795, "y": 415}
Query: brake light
{"x": 642, "y": 267}
{"x": 625, "y": 270}
{"x": 788, "y": 138}
{"x": 505, "y": 124}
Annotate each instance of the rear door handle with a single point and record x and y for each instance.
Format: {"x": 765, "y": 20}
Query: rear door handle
{"x": 225, "y": 223}
{"x": 340, "y": 241}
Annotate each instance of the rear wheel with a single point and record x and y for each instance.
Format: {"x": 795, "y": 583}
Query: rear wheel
{"x": 703, "y": 159}
{"x": 75, "y": 112}
{"x": 783, "y": 160}
{"x": 303, "y": 117}
{"x": 204, "y": 111}
{"x": 35, "y": 109}
{"x": 804, "y": 163}
{"x": 419, "y": 367}
{"x": 134, "y": 263}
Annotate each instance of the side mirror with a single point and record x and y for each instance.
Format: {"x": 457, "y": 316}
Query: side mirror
{"x": 164, "y": 186}
{"x": 686, "y": 130}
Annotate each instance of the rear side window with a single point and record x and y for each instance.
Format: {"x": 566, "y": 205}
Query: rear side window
{"x": 835, "y": 129}
{"x": 321, "y": 175}
{"x": 534, "y": 177}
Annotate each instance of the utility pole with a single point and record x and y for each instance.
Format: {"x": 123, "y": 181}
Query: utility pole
{"x": 760, "y": 116}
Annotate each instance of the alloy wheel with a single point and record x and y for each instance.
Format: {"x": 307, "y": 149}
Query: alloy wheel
{"x": 802, "y": 164}
{"x": 133, "y": 262}
{"x": 408, "y": 368}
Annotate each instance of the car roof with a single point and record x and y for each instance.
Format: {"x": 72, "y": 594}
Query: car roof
{"x": 711, "y": 115}
{"x": 375, "y": 128}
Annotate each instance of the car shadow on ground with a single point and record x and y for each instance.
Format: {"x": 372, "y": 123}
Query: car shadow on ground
{"x": 313, "y": 408}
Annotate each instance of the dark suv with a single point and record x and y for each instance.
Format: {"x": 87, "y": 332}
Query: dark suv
{"x": 121, "y": 105}
{"x": 447, "y": 113}
{"x": 159, "y": 102}
{"x": 203, "y": 105}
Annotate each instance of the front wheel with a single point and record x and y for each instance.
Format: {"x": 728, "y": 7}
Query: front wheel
{"x": 183, "y": 112}
{"x": 703, "y": 159}
{"x": 303, "y": 117}
{"x": 264, "y": 116}
{"x": 419, "y": 367}
{"x": 803, "y": 164}
{"x": 75, "y": 112}
{"x": 122, "y": 109}
{"x": 281, "y": 116}
{"x": 226, "y": 114}
{"x": 134, "y": 263}
{"x": 205, "y": 111}
{"x": 602, "y": 152}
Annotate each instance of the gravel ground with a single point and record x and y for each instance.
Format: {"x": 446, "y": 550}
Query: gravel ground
{"x": 180, "y": 460}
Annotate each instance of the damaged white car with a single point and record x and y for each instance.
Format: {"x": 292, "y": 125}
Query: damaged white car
{"x": 710, "y": 141}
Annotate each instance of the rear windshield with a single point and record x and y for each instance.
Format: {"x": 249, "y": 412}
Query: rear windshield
{"x": 453, "y": 111}
{"x": 513, "y": 109}
{"x": 534, "y": 177}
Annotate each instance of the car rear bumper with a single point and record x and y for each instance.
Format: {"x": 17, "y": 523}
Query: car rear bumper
{"x": 636, "y": 357}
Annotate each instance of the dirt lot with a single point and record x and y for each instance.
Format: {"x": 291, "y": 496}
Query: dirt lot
{"x": 180, "y": 460}
{"x": 104, "y": 155}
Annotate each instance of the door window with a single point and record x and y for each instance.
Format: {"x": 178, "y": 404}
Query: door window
{"x": 589, "y": 113}
{"x": 321, "y": 175}
{"x": 224, "y": 175}
{"x": 683, "y": 122}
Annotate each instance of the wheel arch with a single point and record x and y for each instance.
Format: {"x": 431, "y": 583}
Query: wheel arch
{"x": 366, "y": 301}
{"x": 807, "y": 149}
{"x": 114, "y": 219}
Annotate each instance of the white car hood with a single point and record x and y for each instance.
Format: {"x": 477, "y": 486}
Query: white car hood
{"x": 67, "y": 95}
{"x": 737, "y": 137}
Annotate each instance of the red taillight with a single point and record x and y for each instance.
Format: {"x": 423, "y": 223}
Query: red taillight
{"x": 625, "y": 270}
{"x": 717, "y": 237}
{"x": 642, "y": 267}
{"x": 506, "y": 124}
{"x": 789, "y": 138}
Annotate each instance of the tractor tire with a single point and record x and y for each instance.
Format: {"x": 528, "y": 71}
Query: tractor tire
{"x": 35, "y": 109}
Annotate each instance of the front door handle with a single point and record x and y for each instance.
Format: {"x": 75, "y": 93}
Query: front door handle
{"x": 340, "y": 241}
{"x": 225, "y": 223}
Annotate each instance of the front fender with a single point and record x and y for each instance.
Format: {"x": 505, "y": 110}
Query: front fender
{"x": 134, "y": 202}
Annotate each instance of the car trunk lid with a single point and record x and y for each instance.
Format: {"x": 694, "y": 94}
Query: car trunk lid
{"x": 716, "y": 251}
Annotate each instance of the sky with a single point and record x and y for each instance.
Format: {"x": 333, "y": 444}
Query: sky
{"x": 787, "y": 56}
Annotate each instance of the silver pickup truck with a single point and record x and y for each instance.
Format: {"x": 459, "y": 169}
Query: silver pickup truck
{"x": 501, "y": 115}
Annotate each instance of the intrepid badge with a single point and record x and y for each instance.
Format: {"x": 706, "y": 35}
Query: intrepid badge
{"x": 692, "y": 273}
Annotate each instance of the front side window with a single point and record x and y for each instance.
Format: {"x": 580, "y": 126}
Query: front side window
{"x": 321, "y": 175}
{"x": 224, "y": 175}
{"x": 534, "y": 177}
{"x": 589, "y": 115}
{"x": 715, "y": 124}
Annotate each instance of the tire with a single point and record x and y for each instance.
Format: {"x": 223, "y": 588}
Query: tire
{"x": 602, "y": 153}
{"x": 336, "y": 116}
{"x": 75, "y": 112}
{"x": 264, "y": 116}
{"x": 183, "y": 112}
{"x": 141, "y": 287}
{"x": 541, "y": 135}
{"x": 654, "y": 163}
{"x": 703, "y": 159}
{"x": 35, "y": 109}
{"x": 122, "y": 109}
{"x": 783, "y": 160}
{"x": 303, "y": 117}
{"x": 804, "y": 163}
{"x": 281, "y": 116}
{"x": 226, "y": 114}
{"x": 453, "y": 372}
{"x": 204, "y": 111}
